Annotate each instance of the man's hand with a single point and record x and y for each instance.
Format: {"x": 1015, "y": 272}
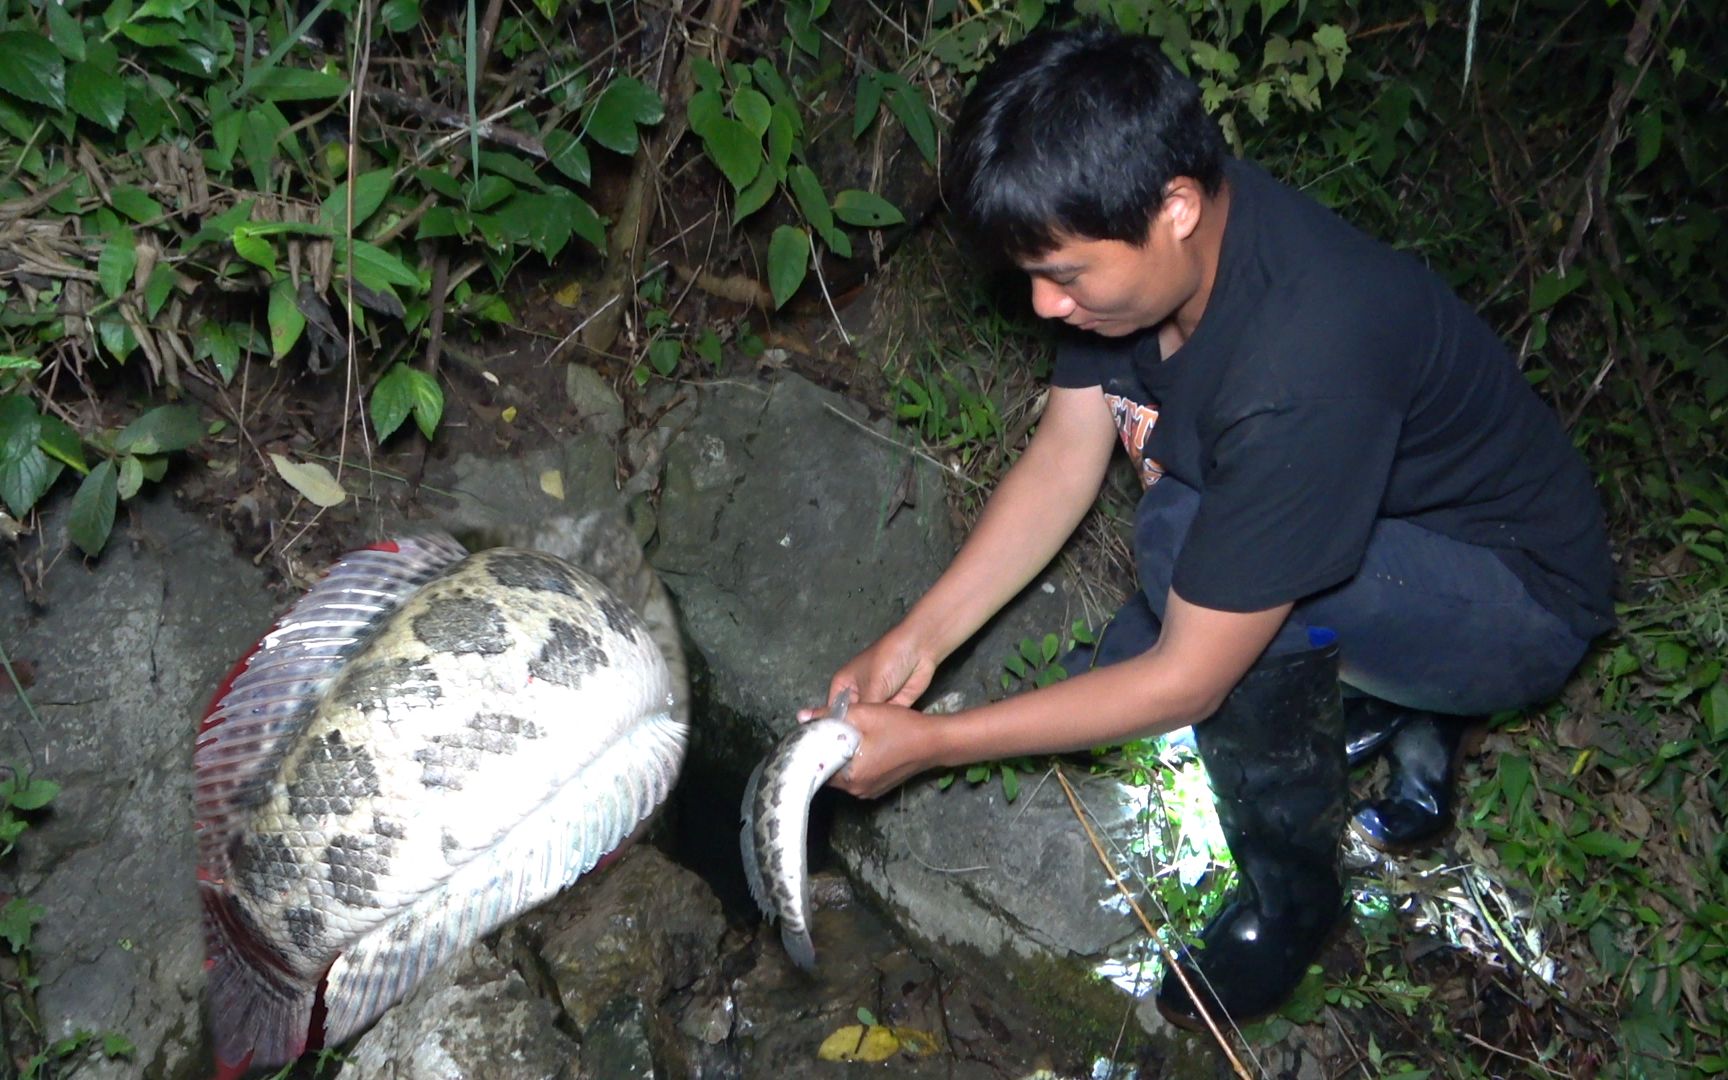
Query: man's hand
{"x": 893, "y": 670}
{"x": 897, "y": 744}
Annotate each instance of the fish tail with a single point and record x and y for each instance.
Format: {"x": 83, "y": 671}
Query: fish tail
{"x": 260, "y": 1011}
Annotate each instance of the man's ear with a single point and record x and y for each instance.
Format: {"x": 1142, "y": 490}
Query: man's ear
{"x": 1184, "y": 205}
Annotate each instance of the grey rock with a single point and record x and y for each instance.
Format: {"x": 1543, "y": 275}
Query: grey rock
{"x": 126, "y": 658}
{"x": 595, "y": 402}
{"x": 473, "y": 1017}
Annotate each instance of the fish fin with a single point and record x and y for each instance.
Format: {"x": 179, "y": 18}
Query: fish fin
{"x": 260, "y": 1013}
{"x": 799, "y": 946}
{"x": 588, "y": 817}
{"x": 747, "y": 844}
{"x": 268, "y": 698}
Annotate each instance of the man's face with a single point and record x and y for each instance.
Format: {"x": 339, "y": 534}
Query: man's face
{"x": 1107, "y": 286}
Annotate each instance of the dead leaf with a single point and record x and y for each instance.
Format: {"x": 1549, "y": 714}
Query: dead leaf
{"x": 552, "y": 483}
{"x": 569, "y": 296}
{"x": 854, "y": 1042}
{"x": 311, "y": 480}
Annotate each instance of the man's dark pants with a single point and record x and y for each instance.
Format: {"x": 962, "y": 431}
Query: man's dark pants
{"x": 1428, "y": 622}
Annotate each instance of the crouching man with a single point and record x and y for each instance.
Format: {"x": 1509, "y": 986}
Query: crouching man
{"x": 1360, "y": 527}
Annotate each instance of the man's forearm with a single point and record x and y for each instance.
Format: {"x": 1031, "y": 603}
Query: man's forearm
{"x": 1034, "y": 509}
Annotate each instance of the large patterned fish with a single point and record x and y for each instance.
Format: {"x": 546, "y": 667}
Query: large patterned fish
{"x": 777, "y": 822}
{"x": 427, "y": 744}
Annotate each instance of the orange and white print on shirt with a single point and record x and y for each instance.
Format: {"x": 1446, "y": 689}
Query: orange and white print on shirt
{"x": 1134, "y": 422}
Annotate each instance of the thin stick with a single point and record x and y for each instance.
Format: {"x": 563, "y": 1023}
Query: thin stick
{"x": 951, "y": 470}
{"x": 1151, "y": 935}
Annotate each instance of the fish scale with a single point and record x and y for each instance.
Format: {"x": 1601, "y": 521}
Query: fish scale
{"x": 428, "y": 744}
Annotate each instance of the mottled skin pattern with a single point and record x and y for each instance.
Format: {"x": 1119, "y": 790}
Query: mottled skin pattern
{"x": 776, "y": 823}
{"x": 468, "y": 709}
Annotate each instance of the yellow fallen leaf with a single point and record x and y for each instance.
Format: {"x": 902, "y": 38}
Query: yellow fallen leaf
{"x": 914, "y": 1042}
{"x": 552, "y": 483}
{"x": 311, "y": 480}
{"x": 569, "y": 296}
{"x": 509, "y": 414}
{"x": 854, "y": 1042}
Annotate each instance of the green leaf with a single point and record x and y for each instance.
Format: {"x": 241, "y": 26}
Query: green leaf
{"x": 788, "y": 262}
{"x": 250, "y": 243}
{"x": 32, "y": 794}
{"x": 131, "y": 477}
{"x": 25, "y": 471}
{"x": 63, "y": 27}
{"x": 118, "y": 260}
{"x": 1649, "y": 138}
{"x": 1551, "y": 288}
{"x": 705, "y": 107}
{"x": 441, "y": 182}
{"x": 1010, "y": 783}
{"x": 94, "y": 94}
{"x": 162, "y": 430}
{"x": 857, "y": 207}
{"x": 33, "y": 68}
{"x": 259, "y": 136}
{"x": 56, "y": 438}
{"x": 298, "y": 84}
{"x": 1606, "y": 845}
{"x": 708, "y": 347}
{"x": 625, "y": 103}
{"x": 287, "y": 322}
{"x": 755, "y": 196}
{"x": 1715, "y": 709}
{"x": 664, "y": 355}
{"x": 567, "y": 154}
{"x": 812, "y": 201}
{"x": 1514, "y": 778}
{"x": 867, "y": 104}
{"x": 216, "y": 342}
{"x": 401, "y": 391}
{"x": 914, "y": 113}
{"x": 157, "y": 288}
{"x": 17, "y": 917}
{"x": 488, "y": 192}
{"x": 400, "y": 16}
{"x": 92, "y": 516}
{"x": 442, "y": 221}
{"x": 753, "y": 110}
{"x": 135, "y": 204}
{"x": 735, "y": 150}
{"x": 370, "y": 191}
{"x": 374, "y": 267}
{"x": 311, "y": 480}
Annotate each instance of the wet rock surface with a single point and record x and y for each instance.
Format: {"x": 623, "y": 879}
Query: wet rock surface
{"x": 791, "y": 530}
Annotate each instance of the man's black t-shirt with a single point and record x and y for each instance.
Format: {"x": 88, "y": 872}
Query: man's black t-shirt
{"x": 1333, "y": 381}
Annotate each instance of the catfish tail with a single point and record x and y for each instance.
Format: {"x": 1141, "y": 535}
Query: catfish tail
{"x": 260, "y": 1011}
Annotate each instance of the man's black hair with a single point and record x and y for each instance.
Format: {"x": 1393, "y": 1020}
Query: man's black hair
{"x": 1077, "y": 134}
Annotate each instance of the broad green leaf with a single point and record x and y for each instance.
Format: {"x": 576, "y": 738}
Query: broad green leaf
{"x": 754, "y": 197}
{"x": 705, "y": 107}
{"x": 118, "y": 260}
{"x": 250, "y": 244}
{"x": 31, "y": 794}
{"x": 1514, "y": 772}
{"x": 57, "y": 439}
{"x": 259, "y": 136}
{"x": 914, "y": 113}
{"x": 867, "y": 104}
{"x": 441, "y": 182}
{"x": 664, "y": 355}
{"x": 225, "y": 139}
{"x": 857, "y": 207}
{"x": 1649, "y": 138}
{"x": 116, "y": 336}
{"x": 370, "y": 191}
{"x": 735, "y": 150}
{"x": 217, "y": 343}
{"x": 135, "y": 204}
{"x": 404, "y": 390}
{"x": 782, "y": 138}
{"x": 489, "y": 192}
{"x": 64, "y": 28}
{"x": 442, "y": 221}
{"x": 512, "y": 167}
{"x": 625, "y": 103}
{"x": 94, "y": 94}
{"x": 311, "y": 480}
{"x": 753, "y": 110}
{"x": 568, "y": 155}
{"x": 286, "y": 320}
{"x": 32, "y": 68}
{"x": 788, "y": 262}
{"x": 401, "y": 16}
{"x": 92, "y": 515}
{"x": 298, "y": 84}
{"x": 1606, "y": 845}
{"x": 707, "y": 75}
{"x": 1715, "y": 708}
{"x": 17, "y": 917}
{"x": 131, "y": 477}
{"x": 708, "y": 348}
{"x": 157, "y": 288}
{"x": 25, "y": 471}
{"x": 812, "y": 201}
{"x": 161, "y": 430}
{"x": 374, "y": 267}
{"x": 1551, "y": 288}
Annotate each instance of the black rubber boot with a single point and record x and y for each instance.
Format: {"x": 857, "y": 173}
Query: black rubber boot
{"x": 1369, "y": 725}
{"x": 1417, "y": 806}
{"x": 1274, "y": 752}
